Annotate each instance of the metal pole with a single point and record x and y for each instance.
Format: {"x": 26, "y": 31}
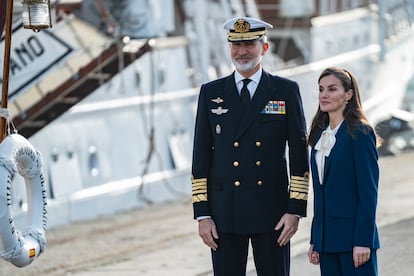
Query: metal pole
{"x": 382, "y": 31}
{"x": 6, "y": 65}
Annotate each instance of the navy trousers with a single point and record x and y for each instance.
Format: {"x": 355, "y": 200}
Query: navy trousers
{"x": 342, "y": 264}
{"x": 270, "y": 259}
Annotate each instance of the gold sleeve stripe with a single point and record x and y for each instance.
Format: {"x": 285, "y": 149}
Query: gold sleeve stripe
{"x": 199, "y": 198}
{"x": 301, "y": 178}
{"x": 299, "y": 186}
{"x": 199, "y": 180}
{"x": 299, "y": 196}
{"x": 299, "y": 190}
{"x": 299, "y": 181}
{"x": 199, "y": 185}
{"x": 199, "y": 189}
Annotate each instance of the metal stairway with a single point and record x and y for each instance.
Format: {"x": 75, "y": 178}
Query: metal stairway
{"x": 94, "y": 60}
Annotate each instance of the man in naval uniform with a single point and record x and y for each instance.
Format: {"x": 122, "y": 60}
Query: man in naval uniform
{"x": 242, "y": 189}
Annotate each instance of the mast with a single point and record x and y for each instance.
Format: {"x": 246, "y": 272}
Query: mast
{"x": 381, "y": 33}
{"x": 6, "y": 67}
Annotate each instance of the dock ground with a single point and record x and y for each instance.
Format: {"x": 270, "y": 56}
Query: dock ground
{"x": 162, "y": 239}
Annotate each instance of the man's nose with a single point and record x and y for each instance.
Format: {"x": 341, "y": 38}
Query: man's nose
{"x": 243, "y": 50}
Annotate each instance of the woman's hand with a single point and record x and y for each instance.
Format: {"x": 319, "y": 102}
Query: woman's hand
{"x": 360, "y": 255}
{"x": 313, "y": 256}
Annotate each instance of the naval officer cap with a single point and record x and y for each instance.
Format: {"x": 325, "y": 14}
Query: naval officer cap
{"x": 245, "y": 29}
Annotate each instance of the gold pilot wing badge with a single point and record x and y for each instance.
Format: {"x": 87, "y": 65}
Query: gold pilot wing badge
{"x": 217, "y": 100}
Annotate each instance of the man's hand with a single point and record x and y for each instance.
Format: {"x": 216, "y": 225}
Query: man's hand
{"x": 208, "y": 232}
{"x": 289, "y": 223}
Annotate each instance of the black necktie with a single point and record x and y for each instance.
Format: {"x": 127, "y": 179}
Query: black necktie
{"x": 244, "y": 93}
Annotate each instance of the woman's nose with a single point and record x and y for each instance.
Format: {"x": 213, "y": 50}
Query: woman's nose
{"x": 323, "y": 94}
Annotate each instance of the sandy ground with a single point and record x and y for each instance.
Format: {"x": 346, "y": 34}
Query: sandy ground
{"x": 162, "y": 239}
{"x": 112, "y": 239}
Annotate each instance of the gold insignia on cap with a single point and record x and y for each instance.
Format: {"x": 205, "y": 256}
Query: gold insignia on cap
{"x": 241, "y": 26}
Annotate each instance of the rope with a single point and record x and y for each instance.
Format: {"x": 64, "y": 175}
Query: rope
{"x": 4, "y": 113}
{"x": 29, "y": 172}
{"x": 9, "y": 165}
{"x": 34, "y": 170}
{"x": 15, "y": 252}
{"x": 38, "y": 236}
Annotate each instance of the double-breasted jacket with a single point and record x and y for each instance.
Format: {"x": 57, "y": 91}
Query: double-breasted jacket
{"x": 241, "y": 175}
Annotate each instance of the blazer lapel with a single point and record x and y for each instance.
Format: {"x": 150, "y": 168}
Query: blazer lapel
{"x": 261, "y": 96}
{"x": 231, "y": 89}
{"x": 314, "y": 165}
{"x": 314, "y": 168}
{"x": 233, "y": 100}
{"x": 339, "y": 139}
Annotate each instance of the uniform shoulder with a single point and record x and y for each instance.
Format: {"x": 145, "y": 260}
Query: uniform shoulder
{"x": 216, "y": 82}
{"x": 281, "y": 79}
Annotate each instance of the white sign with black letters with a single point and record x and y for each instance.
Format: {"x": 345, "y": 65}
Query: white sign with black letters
{"x": 32, "y": 54}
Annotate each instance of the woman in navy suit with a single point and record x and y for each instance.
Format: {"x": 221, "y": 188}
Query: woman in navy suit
{"x": 344, "y": 164}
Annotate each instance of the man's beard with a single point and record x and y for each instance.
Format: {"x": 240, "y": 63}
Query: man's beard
{"x": 246, "y": 66}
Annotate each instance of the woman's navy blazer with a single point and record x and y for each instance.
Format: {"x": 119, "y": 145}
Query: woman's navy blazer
{"x": 345, "y": 203}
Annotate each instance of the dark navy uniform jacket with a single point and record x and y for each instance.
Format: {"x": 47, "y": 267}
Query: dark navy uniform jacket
{"x": 345, "y": 204}
{"x": 240, "y": 174}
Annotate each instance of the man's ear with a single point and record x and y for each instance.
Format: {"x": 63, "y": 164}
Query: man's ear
{"x": 265, "y": 47}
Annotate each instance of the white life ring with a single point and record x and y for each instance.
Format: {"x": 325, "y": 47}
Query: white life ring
{"x": 18, "y": 155}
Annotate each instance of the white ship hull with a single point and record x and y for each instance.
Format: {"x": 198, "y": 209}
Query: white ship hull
{"x": 125, "y": 147}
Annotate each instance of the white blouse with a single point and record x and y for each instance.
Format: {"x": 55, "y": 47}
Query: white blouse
{"x": 323, "y": 148}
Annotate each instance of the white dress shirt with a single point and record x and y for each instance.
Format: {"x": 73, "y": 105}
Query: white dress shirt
{"x": 323, "y": 148}
{"x": 252, "y": 86}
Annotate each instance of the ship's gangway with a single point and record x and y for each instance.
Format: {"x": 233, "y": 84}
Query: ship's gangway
{"x": 54, "y": 69}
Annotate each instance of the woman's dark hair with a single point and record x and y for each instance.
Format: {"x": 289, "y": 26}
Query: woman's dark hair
{"x": 353, "y": 113}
